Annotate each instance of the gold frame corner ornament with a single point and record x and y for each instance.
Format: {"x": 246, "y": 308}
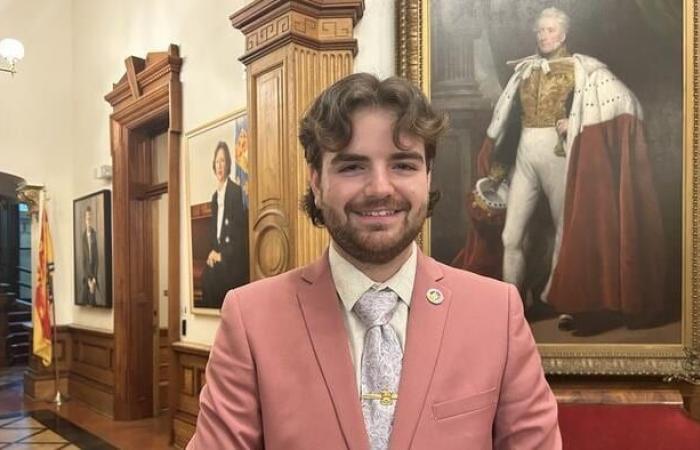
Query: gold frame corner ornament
{"x": 678, "y": 361}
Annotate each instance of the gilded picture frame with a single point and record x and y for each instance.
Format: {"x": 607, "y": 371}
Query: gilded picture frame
{"x": 217, "y": 230}
{"x": 417, "y": 35}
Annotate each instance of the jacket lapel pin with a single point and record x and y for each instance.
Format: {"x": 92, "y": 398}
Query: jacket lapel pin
{"x": 434, "y": 296}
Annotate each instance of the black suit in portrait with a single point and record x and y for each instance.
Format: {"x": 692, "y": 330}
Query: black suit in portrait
{"x": 232, "y": 243}
{"x": 90, "y": 265}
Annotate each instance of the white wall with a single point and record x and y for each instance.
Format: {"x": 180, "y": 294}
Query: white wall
{"x": 376, "y": 39}
{"x": 54, "y": 121}
{"x": 105, "y": 34}
{"x": 35, "y": 122}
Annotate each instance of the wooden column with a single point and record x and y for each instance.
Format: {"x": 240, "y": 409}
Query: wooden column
{"x": 293, "y": 50}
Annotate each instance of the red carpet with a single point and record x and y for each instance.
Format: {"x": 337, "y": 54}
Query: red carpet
{"x": 615, "y": 427}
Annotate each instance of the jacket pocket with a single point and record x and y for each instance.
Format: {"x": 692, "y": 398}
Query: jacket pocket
{"x": 464, "y": 404}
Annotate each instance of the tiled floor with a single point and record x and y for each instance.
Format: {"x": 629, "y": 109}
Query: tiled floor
{"x": 44, "y": 429}
{"x": 29, "y": 424}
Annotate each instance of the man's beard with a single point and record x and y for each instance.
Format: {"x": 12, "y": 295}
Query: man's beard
{"x": 361, "y": 244}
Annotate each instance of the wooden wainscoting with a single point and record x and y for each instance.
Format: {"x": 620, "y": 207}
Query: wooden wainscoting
{"x": 162, "y": 371}
{"x": 91, "y": 378}
{"x": 39, "y": 381}
{"x": 86, "y": 360}
{"x": 190, "y": 360}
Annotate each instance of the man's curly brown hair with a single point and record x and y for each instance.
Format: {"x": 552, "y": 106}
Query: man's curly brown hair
{"x": 327, "y": 124}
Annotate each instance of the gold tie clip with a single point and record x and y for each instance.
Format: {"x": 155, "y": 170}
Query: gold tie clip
{"x": 384, "y": 397}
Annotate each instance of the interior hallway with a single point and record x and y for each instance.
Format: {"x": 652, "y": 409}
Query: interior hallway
{"x": 29, "y": 424}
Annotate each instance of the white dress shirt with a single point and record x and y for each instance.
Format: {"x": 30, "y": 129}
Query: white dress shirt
{"x": 351, "y": 283}
{"x": 220, "y": 197}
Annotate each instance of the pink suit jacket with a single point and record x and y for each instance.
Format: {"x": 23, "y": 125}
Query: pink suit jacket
{"x": 280, "y": 375}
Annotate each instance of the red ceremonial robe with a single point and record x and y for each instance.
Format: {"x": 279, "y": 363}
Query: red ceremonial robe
{"x": 612, "y": 254}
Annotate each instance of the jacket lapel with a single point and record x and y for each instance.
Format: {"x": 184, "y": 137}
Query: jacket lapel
{"x": 424, "y": 332}
{"x": 318, "y": 301}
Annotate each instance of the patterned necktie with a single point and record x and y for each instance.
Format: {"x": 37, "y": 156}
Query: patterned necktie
{"x": 381, "y": 364}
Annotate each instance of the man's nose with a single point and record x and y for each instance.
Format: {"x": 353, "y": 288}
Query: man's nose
{"x": 379, "y": 183}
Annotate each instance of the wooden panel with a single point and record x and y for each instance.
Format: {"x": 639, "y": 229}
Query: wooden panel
{"x": 43, "y": 387}
{"x": 269, "y": 168}
{"x": 91, "y": 379}
{"x": 95, "y": 355}
{"x": 39, "y": 381}
{"x": 270, "y": 196}
{"x": 187, "y": 381}
{"x": 191, "y": 362}
{"x": 86, "y": 363}
{"x": 98, "y": 396}
{"x": 163, "y": 368}
{"x": 619, "y": 396}
{"x": 183, "y": 429}
{"x": 626, "y": 390}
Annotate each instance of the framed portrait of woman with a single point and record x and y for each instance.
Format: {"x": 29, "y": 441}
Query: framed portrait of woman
{"x": 570, "y": 168}
{"x": 217, "y": 195}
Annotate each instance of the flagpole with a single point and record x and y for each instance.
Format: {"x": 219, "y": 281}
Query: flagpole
{"x": 59, "y": 398}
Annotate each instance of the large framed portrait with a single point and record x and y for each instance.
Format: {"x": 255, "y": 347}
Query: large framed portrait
{"x": 217, "y": 196}
{"x": 570, "y": 168}
{"x": 92, "y": 249}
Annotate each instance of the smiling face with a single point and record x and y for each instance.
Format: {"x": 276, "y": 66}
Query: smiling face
{"x": 550, "y": 35}
{"x": 373, "y": 195}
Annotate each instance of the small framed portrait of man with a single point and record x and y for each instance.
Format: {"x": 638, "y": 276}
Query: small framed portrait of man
{"x": 217, "y": 188}
{"x": 92, "y": 249}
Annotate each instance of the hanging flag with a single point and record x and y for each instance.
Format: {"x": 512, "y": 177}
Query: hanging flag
{"x": 44, "y": 294}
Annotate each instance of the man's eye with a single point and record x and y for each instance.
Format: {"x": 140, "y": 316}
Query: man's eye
{"x": 349, "y": 168}
{"x": 405, "y": 166}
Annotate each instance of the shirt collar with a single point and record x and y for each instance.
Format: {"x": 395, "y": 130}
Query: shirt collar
{"x": 222, "y": 190}
{"x": 351, "y": 283}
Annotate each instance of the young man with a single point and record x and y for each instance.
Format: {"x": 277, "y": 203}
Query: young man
{"x": 375, "y": 345}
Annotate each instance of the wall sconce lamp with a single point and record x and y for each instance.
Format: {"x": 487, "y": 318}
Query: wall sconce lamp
{"x": 11, "y": 51}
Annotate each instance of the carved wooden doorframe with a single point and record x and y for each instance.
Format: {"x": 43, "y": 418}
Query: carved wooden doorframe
{"x": 147, "y": 100}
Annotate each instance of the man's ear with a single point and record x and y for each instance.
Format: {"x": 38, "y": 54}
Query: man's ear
{"x": 314, "y": 181}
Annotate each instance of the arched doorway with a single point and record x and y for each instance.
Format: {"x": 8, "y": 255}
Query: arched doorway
{"x": 15, "y": 273}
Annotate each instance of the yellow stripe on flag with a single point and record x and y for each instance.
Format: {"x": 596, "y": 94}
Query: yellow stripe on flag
{"x": 41, "y": 318}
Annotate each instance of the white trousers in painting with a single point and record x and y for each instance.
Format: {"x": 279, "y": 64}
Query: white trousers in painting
{"x": 537, "y": 170}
